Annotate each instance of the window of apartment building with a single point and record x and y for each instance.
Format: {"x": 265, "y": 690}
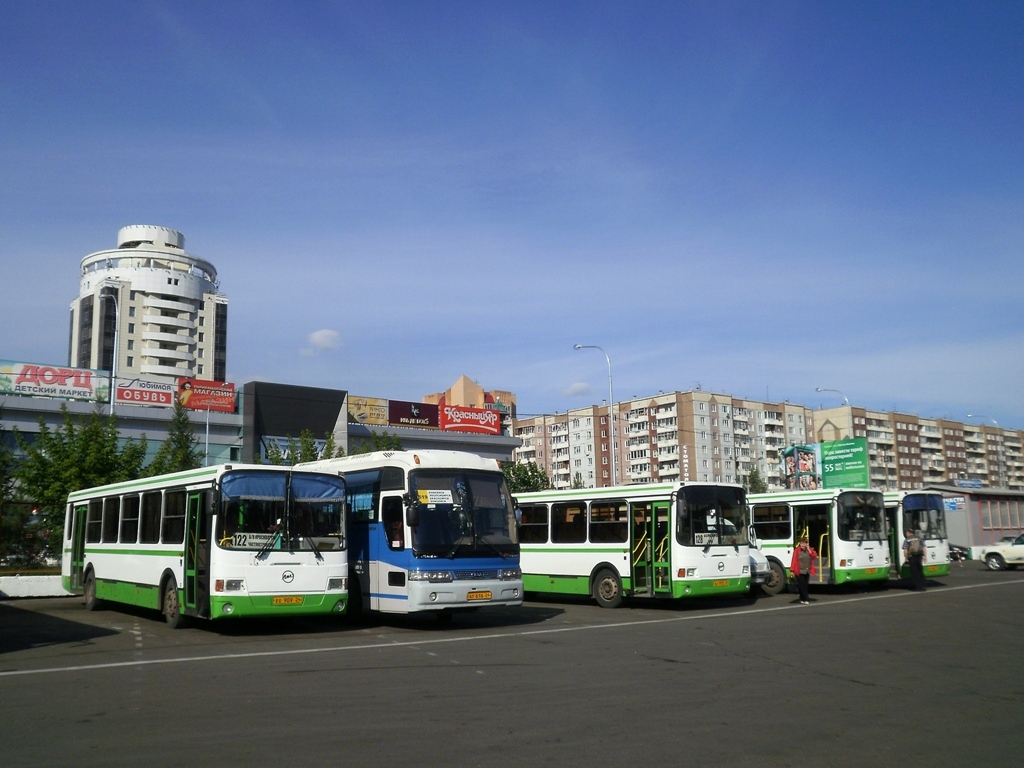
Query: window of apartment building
{"x": 700, "y": 406}
{"x": 131, "y": 327}
{"x": 131, "y": 311}
{"x": 131, "y": 344}
{"x": 131, "y": 361}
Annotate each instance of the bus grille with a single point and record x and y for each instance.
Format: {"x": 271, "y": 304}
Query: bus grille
{"x": 466, "y": 575}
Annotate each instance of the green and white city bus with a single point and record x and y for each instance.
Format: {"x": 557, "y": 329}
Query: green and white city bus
{"x": 228, "y": 540}
{"x": 657, "y": 541}
{"x": 924, "y": 512}
{"x": 846, "y": 527}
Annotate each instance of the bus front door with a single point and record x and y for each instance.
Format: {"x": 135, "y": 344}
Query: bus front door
{"x": 197, "y": 557}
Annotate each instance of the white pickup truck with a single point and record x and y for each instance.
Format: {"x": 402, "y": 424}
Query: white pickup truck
{"x": 1005, "y": 554}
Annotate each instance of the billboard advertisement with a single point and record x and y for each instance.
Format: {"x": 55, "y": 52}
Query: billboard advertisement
{"x": 833, "y": 464}
{"x": 18, "y": 378}
{"x": 457, "y": 418}
{"x": 405, "y": 414}
{"x": 844, "y": 463}
{"x": 368, "y": 410}
{"x": 143, "y": 392}
{"x": 199, "y": 395}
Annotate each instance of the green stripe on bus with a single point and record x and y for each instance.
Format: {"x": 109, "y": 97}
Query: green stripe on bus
{"x": 250, "y": 606}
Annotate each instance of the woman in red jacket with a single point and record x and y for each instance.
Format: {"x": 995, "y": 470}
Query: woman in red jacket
{"x": 803, "y": 568}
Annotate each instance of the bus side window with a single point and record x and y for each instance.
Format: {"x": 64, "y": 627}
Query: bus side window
{"x": 569, "y": 522}
{"x": 533, "y": 528}
{"x": 394, "y": 527}
{"x": 130, "y": 519}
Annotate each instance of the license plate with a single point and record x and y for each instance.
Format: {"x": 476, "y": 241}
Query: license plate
{"x": 290, "y": 600}
{"x": 485, "y": 595}
{"x": 871, "y": 570}
{"x": 720, "y": 583}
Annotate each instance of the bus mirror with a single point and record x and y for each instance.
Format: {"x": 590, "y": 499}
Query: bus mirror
{"x": 752, "y": 535}
{"x": 412, "y": 516}
{"x": 519, "y": 516}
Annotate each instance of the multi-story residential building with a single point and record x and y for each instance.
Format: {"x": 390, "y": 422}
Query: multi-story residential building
{"x": 158, "y": 304}
{"x": 706, "y": 436}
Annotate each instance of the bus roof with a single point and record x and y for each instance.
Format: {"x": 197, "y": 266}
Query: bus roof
{"x": 199, "y": 475}
{"x": 616, "y": 491}
{"x": 822, "y": 494}
{"x": 427, "y": 459}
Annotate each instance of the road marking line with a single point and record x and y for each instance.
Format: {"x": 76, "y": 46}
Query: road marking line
{"x": 493, "y": 636}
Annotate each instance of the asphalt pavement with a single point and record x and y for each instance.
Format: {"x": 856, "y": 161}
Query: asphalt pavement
{"x": 875, "y": 677}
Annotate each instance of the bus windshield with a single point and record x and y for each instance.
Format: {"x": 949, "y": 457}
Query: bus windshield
{"x": 460, "y": 513}
{"x": 861, "y": 516}
{"x": 281, "y": 510}
{"x": 925, "y": 514}
{"x": 710, "y": 515}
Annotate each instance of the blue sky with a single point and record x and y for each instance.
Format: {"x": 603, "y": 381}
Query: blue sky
{"x": 757, "y": 198}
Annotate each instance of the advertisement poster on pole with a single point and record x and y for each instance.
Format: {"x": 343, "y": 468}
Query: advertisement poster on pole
{"x": 832, "y": 464}
{"x": 199, "y": 395}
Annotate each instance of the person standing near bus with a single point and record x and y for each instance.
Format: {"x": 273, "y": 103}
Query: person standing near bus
{"x": 803, "y": 568}
{"x": 914, "y": 553}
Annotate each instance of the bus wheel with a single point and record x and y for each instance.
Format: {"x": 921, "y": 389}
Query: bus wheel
{"x": 172, "y": 607}
{"x": 994, "y": 562}
{"x": 92, "y": 603}
{"x": 776, "y": 579}
{"x": 608, "y": 589}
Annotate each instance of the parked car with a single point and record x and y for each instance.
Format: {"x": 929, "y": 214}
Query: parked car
{"x": 760, "y": 569}
{"x": 1004, "y": 554}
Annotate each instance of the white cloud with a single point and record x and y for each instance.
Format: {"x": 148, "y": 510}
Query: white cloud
{"x": 579, "y": 388}
{"x": 321, "y": 341}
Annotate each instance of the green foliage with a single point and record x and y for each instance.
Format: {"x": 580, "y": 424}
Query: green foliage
{"x": 378, "y": 442}
{"x": 307, "y": 448}
{"x": 522, "y": 478}
{"x": 577, "y": 481}
{"x": 275, "y": 455}
{"x": 180, "y": 451}
{"x": 80, "y": 453}
{"x": 7, "y": 466}
{"x": 754, "y": 483}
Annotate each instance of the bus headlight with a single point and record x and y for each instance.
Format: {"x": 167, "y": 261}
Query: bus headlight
{"x": 337, "y": 583}
{"x": 510, "y": 574}
{"x": 230, "y": 585}
{"x": 434, "y": 577}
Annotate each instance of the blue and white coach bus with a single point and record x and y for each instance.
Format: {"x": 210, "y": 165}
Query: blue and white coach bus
{"x": 429, "y": 531}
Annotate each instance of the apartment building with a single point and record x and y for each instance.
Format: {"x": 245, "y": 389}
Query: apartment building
{"x": 708, "y": 436}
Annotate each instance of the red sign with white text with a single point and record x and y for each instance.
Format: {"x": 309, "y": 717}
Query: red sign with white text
{"x": 199, "y": 395}
{"x": 457, "y": 418}
{"x": 142, "y": 392}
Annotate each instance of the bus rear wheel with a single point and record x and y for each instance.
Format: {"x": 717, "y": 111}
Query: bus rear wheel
{"x": 92, "y": 603}
{"x": 172, "y": 606}
{"x": 608, "y": 589}
{"x": 776, "y": 579}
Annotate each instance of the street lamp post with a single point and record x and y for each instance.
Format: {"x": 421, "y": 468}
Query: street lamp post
{"x": 117, "y": 324}
{"x": 1002, "y": 464}
{"x": 611, "y": 398}
{"x": 823, "y": 389}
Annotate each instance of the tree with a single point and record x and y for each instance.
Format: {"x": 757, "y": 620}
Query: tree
{"x": 180, "y": 451}
{"x": 522, "y": 478}
{"x": 577, "y": 481}
{"x": 755, "y": 483}
{"x": 307, "y": 448}
{"x": 378, "y": 442}
{"x": 7, "y": 466}
{"x": 80, "y": 453}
